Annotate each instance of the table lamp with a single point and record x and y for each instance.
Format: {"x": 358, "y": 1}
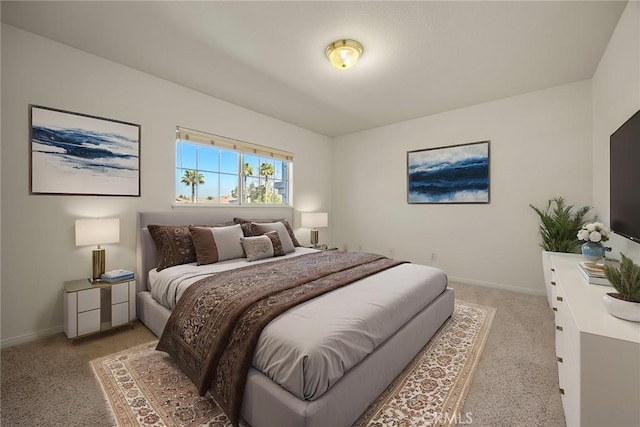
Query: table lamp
{"x": 97, "y": 232}
{"x": 313, "y": 220}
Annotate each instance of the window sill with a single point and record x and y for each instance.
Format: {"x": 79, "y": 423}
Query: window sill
{"x": 178, "y": 206}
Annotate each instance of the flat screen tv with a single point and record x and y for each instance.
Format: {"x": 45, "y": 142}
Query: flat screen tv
{"x": 625, "y": 179}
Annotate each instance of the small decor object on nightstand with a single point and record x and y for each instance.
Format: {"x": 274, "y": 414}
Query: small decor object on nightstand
{"x": 594, "y": 234}
{"x": 117, "y": 275}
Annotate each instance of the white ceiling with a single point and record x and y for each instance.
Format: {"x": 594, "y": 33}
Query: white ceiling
{"x": 420, "y": 58}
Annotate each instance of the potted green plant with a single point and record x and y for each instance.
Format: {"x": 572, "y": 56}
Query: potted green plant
{"x": 559, "y": 226}
{"x": 625, "y": 303}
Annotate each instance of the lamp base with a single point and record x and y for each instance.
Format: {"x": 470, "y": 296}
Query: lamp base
{"x": 98, "y": 264}
{"x": 314, "y": 238}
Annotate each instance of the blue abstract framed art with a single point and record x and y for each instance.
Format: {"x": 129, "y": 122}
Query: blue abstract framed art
{"x": 78, "y": 154}
{"x": 453, "y": 174}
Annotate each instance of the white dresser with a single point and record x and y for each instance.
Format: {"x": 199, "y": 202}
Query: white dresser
{"x": 598, "y": 354}
{"x": 92, "y": 308}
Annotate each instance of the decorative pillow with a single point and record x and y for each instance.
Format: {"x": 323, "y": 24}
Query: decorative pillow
{"x": 213, "y": 244}
{"x": 257, "y": 247}
{"x": 261, "y": 228}
{"x": 278, "y": 250}
{"x": 248, "y": 230}
{"x": 174, "y": 245}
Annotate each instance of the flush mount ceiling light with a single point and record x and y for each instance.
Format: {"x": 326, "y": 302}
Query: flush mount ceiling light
{"x": 344, "y": 54}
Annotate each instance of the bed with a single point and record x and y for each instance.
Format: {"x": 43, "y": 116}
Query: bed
{"x": 270, "y": 400}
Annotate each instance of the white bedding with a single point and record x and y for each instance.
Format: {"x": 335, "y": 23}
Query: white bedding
{"x": 311, "y": 346}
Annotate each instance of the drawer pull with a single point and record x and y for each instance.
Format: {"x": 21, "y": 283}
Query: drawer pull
{"x": 553, "y": 269}
{"x": 561, "y": 391}
{"x": 555, "y": 309}
{"x": 559, "y": 298}
{"x": 553, "y": 283}
{"x": 559, "y": 359}
{"x": 559, "y": 328}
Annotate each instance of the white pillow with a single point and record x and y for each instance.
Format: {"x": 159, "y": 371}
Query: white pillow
{"x": 261, "y": 228}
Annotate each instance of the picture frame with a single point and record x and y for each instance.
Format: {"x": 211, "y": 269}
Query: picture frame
{"x": 79, "y": 154}
{"x": 451, "y": 174}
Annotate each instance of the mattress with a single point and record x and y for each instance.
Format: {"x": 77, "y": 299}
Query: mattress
{"x": 311, "y": 346}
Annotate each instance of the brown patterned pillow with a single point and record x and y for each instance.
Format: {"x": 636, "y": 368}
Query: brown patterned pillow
{"x": 278, "y": 250}
{"x": 247, "y": 229}
{"x": 174, "y": 245}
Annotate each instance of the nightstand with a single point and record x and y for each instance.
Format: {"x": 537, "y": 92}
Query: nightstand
{"x": 90, "y": 308}
{"x": 320, "y": 247}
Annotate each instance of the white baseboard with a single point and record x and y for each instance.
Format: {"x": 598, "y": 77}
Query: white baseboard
{"x": 511, "y": 288}
{"x": 10, "y": 342}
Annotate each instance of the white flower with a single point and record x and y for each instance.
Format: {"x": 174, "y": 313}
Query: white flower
{"x": 594, "y": 232}
{"x": 583, "y": 235}
{"x": 595, "y": 236}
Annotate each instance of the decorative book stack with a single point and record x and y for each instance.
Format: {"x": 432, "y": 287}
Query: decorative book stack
{"x": 117, "y": 275}
{"x": 593, "y": 273}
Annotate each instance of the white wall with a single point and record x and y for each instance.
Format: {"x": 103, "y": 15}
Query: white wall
{"x": 540, "y": 148}
{"x": 616, "y": 97}
{"x": 38, "y": 252}
{"x": 543, "y": 144}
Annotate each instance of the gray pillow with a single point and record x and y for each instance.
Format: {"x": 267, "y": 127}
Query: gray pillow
{"x": 257, "y": 247}
{"x": 261, "y": 228}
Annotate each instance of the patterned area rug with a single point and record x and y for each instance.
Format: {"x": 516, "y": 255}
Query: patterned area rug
{"x": 144, "y": 387}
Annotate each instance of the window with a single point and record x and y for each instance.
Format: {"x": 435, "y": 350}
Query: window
{"x": 215, "y": 170}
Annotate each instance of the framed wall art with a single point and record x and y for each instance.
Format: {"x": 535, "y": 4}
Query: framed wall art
{"x": 453, "y": 174}
{"x": 74, "y": 153}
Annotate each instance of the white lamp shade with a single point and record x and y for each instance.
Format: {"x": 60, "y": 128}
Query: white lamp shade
{"x": 97, "y": 231}
{"x": 315, "y": 219}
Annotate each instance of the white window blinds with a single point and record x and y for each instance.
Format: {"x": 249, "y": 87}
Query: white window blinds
{"x": 191, "y": 135}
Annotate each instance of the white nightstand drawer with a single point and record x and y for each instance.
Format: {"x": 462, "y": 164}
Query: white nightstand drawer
{"x": 89, "y": 299}
{"x": 119, "y": 314}
{"x": 120, "y": 293}
{"x": 88, "y": 321}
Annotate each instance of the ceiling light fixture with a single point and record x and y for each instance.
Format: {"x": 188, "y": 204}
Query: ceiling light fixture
{"x": 344, "y": 54}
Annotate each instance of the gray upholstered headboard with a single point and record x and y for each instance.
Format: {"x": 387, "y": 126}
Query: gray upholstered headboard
{"x": 146, "y": 250}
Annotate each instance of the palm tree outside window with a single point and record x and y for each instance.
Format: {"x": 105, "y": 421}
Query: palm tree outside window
{"x": 208, "y": 174}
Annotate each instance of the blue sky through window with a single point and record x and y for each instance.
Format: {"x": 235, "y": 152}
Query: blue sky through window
{"x": 220, "y": 169}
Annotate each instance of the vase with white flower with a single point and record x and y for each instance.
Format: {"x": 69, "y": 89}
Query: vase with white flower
{"x": 594, "y": 234}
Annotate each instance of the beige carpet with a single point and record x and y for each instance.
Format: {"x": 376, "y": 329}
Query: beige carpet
{"x": 145, "y": 388}
{"x": 49, "y": 381}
